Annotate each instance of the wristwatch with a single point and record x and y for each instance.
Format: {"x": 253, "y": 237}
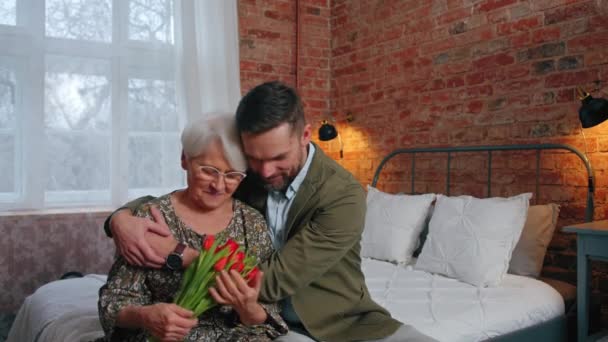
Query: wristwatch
{"x": 174, "y": 260}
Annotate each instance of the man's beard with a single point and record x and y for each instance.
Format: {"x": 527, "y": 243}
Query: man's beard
{"x": 270, "y": 187}
{"x": 281, "y": 187}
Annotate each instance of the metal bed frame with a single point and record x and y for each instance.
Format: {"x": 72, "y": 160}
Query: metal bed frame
{"x": 552, "y": 330}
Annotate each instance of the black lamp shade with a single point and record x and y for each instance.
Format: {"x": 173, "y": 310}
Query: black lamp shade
{"x": 327, "y": 132}
{"x": 593, "y": 111}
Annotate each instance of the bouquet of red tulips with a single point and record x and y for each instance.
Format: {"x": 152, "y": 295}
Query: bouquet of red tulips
{"x": 201, "y": 274}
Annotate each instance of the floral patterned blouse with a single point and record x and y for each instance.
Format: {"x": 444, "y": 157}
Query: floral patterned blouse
{"x": 132, "y": 285}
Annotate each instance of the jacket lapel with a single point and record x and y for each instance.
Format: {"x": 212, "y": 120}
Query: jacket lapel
{"x": 306, "y": 191}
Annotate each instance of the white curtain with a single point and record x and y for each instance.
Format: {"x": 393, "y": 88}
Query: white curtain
{"x": 208, "y": 56}
{"x": 94, "y": 94}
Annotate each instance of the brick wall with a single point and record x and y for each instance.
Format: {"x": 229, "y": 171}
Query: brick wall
{"x": 472, "y": 72}
{"x": 269, "y": 51}
{"x": 447, "y": 72}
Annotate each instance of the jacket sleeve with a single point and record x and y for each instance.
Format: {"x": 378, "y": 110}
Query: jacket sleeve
{"x": 318, "y": 245}
{"x": 134, "y": 204}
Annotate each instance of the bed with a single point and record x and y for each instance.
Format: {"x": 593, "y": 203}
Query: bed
{"x": 439, "y": 306}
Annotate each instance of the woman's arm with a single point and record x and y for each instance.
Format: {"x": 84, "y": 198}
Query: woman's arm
{"x": 163, "y": 320}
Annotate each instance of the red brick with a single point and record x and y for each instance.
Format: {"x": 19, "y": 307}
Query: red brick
{"x": 520, "y": 40}
{"x": 593, "y": 41}
{"x": 475, "y": 78}
{"x": 454, "y": 15}
{"x": 475, "y": 106}
{"x": 494, "y": 61}
{"x": 476, "y": 92}
{"x": 565, "y": 95}
{"x": 566, "y": 79}
{"x": 455, "y": 82}
{"x": 595, "y": 58}
{"x": 281, "y": 16}
{"x": 525, "y": 24}
{"x": 546, "y": 34}
{"x": 490, "y": 5}
{"x": 569, "y": 12}
{"x": 263, "y": 34}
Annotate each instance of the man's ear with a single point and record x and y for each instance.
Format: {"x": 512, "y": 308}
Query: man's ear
{"x": 184, "y": 161}
{"x": 306, "y": 135}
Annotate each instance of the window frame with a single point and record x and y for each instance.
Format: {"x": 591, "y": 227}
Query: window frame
{"x": 29, "y": 46}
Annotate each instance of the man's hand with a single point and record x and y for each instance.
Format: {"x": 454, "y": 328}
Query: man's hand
{"x": 129, "y": 234}
{"x": 167, "y": 322}
{"x": 231, "y": 289}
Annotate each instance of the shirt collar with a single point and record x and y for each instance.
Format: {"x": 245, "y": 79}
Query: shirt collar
{"x": 295, "y": 184}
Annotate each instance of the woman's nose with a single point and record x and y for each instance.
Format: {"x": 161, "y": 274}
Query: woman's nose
{"x": 219, "y": 183}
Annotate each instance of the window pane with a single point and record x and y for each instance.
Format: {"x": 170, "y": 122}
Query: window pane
{"x": 78, "y": 161}
{"x": 79, "y": 19}
{"x": 154, "y": 130}
{"x": 154, "y": 162}
{"x": 8, "y": 87}
{"x": 151, "y": 20}
{"x": 8, "y": 12}
{"x": 77, "y": 94}
{"x": 78, "y": 124}
{"x": 173, "y": 174}
{"x": 152, "y": 106}
{"x": 7, "y": 166}
{"x": 145, "y": 161}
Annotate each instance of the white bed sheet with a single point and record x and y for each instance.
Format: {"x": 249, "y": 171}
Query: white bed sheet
{"x": 63, "y": 310}
{"x": 443, "y": 308}
{"x": 449, "y": 310}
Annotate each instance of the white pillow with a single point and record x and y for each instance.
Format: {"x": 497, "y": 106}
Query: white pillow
{"x": 393, "y": 224}
{"x": 472, "y": 239}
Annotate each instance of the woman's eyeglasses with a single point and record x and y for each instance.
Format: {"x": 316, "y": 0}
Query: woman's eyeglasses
{"x": 232, "y": 177}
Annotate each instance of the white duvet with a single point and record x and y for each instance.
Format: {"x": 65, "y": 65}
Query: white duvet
{"x": 449, "y": 310}
{"x": 63, "y": 310}
{"x": 443, "y": 308}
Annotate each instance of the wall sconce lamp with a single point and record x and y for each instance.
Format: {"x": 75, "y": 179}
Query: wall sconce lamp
{"x": 328, "y": 132}
{"x": 593, "y": 111}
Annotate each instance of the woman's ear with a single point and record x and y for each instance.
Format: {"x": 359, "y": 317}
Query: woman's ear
{"x": 184, "y": 161}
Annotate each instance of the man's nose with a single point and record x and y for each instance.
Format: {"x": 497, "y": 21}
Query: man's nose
{"x": 268, "y": 170}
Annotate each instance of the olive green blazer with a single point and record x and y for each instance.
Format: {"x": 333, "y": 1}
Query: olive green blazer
{"x": 320, "y": 265}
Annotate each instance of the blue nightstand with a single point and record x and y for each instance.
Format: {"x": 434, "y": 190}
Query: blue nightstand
{"x": 591, "y": 244}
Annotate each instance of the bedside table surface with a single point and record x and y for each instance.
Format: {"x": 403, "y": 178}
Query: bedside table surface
{"x": 593, "y": 228}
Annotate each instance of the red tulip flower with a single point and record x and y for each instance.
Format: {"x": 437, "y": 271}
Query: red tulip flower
{"x": 209, "y": 240}
{"x": 220, "y": 264}
{"x": 251, "y": 276}
{"x": 239, "y": 266}
{"x": 231, "y": 245}
{"x": 237, "y": 257}
{"x": 202, "y": 273}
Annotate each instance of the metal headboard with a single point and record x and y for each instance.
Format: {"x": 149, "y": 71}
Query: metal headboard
{"x": 489, "y": 149}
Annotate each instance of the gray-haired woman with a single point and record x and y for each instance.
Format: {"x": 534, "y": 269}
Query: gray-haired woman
{"x": 135, "y": 301}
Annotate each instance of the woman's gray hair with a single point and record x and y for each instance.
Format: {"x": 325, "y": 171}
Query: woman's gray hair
{"x": 200, "y": 133}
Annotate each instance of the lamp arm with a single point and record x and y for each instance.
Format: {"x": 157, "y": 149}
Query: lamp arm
{"x": 341, "y": 146}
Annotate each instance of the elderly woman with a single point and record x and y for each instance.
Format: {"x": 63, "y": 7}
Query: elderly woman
{"x": 135, "y": 302}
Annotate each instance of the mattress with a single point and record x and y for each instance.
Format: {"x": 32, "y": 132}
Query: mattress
{"x": 440, "y": 307}
{"x": 449, "y": 310}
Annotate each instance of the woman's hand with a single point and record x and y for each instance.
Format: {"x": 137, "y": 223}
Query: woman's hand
{"x": 231, "y": 289}
{"x": 129, "y": 234}
{"x": 167, "y": 322}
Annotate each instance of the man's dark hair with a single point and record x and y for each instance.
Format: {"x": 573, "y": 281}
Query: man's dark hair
{"x": 269, "y": 105}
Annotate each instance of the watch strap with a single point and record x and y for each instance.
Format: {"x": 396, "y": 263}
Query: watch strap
{"x": 179, "y": 249}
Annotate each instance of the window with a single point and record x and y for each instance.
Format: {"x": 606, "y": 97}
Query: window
{"x": 88, "y": 110}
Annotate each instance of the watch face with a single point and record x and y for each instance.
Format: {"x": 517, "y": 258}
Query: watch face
{"x": 174, "y": 261}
